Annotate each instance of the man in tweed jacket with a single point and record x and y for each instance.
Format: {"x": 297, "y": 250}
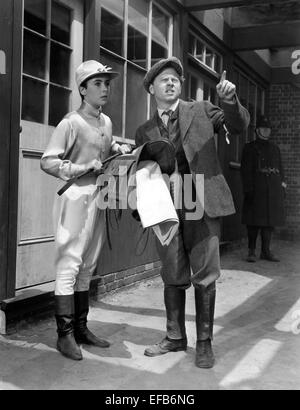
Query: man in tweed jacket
{"x": 193, "y": 255}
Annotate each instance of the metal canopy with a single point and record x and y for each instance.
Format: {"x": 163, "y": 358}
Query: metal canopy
{"x": 268, "y": 25}
{"x": 198, "y": 5}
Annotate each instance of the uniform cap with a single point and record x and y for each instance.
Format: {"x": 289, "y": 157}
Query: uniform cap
{"x": 263, "y": 122}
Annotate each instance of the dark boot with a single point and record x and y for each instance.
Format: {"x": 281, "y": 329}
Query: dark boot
{"x": 266, "y": 254}
{"x": 176, "y": 336}
{"x": 64, "y": 314}
{"x": 82, "y": 333}
{"x": 252, "y": 232}
{"x": 251, "y": 256}
{"x": 205, "y": 307}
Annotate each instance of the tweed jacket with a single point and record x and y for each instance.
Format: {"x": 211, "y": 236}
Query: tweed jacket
{"x": 198, "y": 122}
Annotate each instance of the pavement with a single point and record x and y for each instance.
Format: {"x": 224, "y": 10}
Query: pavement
{"x": 256, "y": 342}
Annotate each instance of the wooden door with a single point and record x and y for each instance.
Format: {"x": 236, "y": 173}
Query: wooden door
{"x": 52, "y": 49}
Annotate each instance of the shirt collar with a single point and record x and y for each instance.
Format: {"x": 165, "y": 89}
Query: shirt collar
{"x": 90, "y": 111}
{"x": 173, "y": 108}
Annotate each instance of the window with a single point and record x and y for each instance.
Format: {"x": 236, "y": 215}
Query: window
{"x": 251, "y": 96}
{"x": 210, "y": 93}
{"x": 204, "y": 54}
{"x": 201, "y": 89}
{"x": 46, "y": 61}
{"x": 205, "y": 67}
{"x": 137, "y": 32}
{"x": 112, "y": 29}
{"x": 204, "y": 70}
{"x": 134, "y": 35}
{"x": 160, "y": 35}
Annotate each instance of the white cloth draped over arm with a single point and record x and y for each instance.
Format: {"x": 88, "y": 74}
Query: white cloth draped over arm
{"x": 154, "y": 202}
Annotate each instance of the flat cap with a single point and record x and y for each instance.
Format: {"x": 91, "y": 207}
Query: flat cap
{"x": 92, "y": 68}
{"x": 158, "y": 67}
{"x": 263, "y": 122}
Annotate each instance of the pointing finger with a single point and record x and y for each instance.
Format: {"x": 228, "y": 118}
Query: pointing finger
{"x": 223, "y": 76}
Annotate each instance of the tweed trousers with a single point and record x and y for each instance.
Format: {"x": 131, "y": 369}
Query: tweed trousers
{"x": 193, "y": 255}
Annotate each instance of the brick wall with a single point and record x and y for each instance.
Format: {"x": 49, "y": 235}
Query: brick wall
{"x": 102, "y": 284}
{"x": 284, "y": 113}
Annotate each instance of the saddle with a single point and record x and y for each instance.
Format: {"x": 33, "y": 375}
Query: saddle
{"x": 116, "y": 180}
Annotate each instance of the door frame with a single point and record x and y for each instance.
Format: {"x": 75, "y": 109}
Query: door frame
{"x": 11, "y": 17}
{"x": 35, "y": 242}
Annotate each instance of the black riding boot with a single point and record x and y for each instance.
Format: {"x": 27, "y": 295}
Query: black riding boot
{"x": 176, "y": 335}
{"x": 82, "y": 333}
{"x": 64, "y": 314}
{"x": 251, "y": 256}
{"x": 205, "y": 308}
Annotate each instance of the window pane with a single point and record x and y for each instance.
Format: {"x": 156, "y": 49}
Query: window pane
{"x": 33, "y": 100}
{"x": 209, "y": 58}
{"x": 217, "y": 63}
{"x": 243, "y": 91}
{"x": 111, "y": 32}
{"x": 58, "y": 104}
{"x": 59, "y": 65}
{"x": 137, "y": 47}
{"x": 35, "y": 15}
{"x": 34, "y": 55}
{"x": 197, "y": 88}
{"x": 252, "y": 98}
{"x": 191, "y": 44}
{"x": 193, "y": 88}
{"x": 115, "y": 7}
{"x": 60, "y": 23}
{"x": 137, "y": 31}
{"x": 160, "y": 30}
{"x": 206, "y": 93}
{"x": 158, "y": 52}
{"x": 199, "y": 51}
{"x": 213, "y": 95}
{"x": 136, "y": 112}
{"x": 209, "y": 93}
{"x": 115, "y": 103}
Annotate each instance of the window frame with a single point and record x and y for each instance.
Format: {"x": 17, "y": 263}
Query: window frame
{"x": 250, "y": 81}
{"x": 206, "y": 83}
{"x": 126, "y": 62}
{"x": 49, "y": 41}
{"x": 206, "y": 46}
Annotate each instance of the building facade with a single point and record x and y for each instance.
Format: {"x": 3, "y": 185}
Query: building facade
{"x": 41, "y": 44}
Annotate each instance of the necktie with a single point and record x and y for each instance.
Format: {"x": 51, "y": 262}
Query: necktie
{"x": 166, "y": 115}
{"x": 99, "y": 114}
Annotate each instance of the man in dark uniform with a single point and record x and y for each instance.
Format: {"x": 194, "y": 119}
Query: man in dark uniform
{"x": 264, "y": 186}
{"x": 193, "y": 254}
